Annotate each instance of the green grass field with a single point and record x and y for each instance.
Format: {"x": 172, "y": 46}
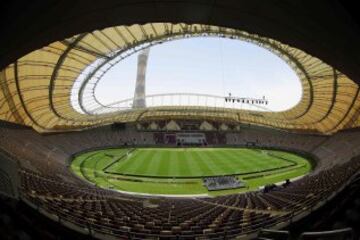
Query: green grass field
{"x": 180, "y": 170}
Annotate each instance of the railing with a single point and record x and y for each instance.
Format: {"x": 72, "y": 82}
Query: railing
{"x": 339, "y": 234}
{"x": 186, "y": 100}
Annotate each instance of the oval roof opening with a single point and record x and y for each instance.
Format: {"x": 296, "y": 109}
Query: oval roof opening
{"x": 203, "y": 66}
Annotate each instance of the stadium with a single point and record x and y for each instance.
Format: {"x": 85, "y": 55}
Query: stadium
{"x": 103, "y": 137}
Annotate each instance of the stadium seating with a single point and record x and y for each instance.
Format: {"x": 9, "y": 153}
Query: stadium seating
{"x": 49, "y": 186}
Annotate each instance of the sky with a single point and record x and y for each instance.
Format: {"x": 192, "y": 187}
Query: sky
{"x": 207, "y": 65}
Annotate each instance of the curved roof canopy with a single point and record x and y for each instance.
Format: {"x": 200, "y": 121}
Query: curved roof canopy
{"x": 36, "y": 90}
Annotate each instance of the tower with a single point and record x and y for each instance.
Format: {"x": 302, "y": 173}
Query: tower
{"x": 139, "y": 96}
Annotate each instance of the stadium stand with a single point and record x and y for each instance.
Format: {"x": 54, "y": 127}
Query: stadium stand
{"x": 54, "y": 54}
{"x": 51, "y": 188}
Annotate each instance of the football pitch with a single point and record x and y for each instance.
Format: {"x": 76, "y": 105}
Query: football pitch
{"x": 180, "y": 170}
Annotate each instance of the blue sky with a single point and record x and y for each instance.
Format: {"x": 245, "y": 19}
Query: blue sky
{"x": 210, "y": 66}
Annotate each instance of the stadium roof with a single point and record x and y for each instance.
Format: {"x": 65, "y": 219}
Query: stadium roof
{"x": 36, "y": 88}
